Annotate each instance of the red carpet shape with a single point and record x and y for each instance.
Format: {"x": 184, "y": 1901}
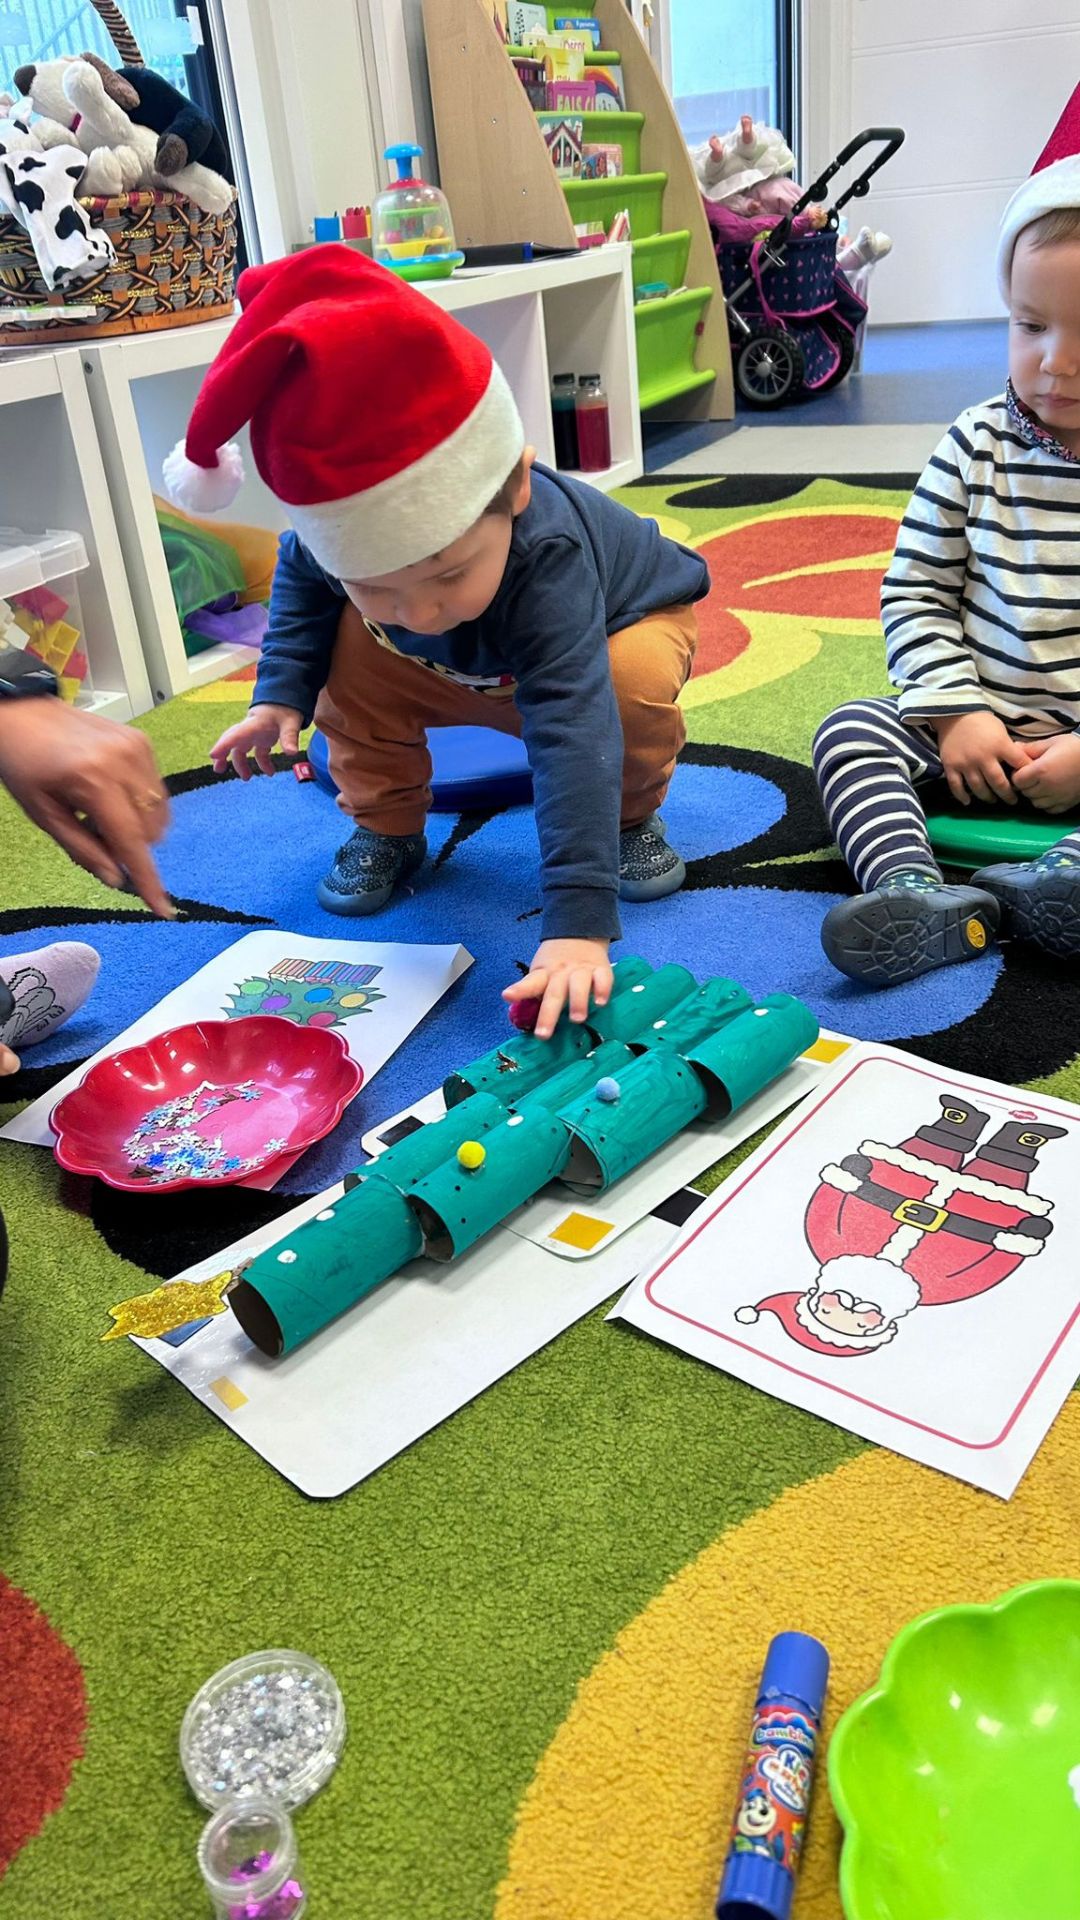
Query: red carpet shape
{"x": 43, "y": 1715}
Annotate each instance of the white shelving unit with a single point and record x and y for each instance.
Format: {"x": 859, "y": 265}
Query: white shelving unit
{"x": 573, "y": 312}
{"x": 52, "y": 475}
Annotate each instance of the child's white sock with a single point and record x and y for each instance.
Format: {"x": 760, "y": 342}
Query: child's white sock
{"x": 43, "y": 989}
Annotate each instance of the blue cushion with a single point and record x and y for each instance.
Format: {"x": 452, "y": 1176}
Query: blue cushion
{"x": 473, "y": 768}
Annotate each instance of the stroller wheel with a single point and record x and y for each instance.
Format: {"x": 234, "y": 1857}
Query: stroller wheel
{"x": 769, "y": 367}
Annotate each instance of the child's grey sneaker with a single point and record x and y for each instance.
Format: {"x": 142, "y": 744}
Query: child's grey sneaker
{"x": 648, "y": 867}
{"x": 911, "y": 924}
{"x": 1041, "y": 898}
{"x": 368, "y": 868}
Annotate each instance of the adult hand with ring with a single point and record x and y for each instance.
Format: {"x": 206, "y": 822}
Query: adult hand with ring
{"x": 93, "y": 786}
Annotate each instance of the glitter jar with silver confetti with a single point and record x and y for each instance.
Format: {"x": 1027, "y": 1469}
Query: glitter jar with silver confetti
{"x": 270, "y": 1725}
{"x": 249, "y": 1862}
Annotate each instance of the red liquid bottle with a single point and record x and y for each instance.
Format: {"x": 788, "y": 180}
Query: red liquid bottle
{"x": 593, "y": 428}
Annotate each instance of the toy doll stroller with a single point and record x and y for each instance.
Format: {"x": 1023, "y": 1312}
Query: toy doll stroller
{"x": 793, "y": 316}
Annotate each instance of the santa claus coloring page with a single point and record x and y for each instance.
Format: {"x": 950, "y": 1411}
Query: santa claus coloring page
{"x": 898, "y": 1257}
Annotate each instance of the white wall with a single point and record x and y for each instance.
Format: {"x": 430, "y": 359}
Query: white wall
{"x": 978, "y": 86}
{"x": 303, "y": 85}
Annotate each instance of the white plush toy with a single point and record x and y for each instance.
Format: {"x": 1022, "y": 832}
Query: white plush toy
{"x": 734, "y": 162}
{"x": 38, "y": 188}
{"x": 72, "y": 98}
{"x": 106, "y": 122}
{"x": 109, "y": 171}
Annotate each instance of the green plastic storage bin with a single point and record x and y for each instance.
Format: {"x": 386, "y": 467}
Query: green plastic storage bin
{"x": 667, "y": 344}
{"x": 642, "y": 194}
{"x": 661, "y": 256}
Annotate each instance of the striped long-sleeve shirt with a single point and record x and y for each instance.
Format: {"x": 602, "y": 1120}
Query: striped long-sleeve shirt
{"x": 981, "y": 603}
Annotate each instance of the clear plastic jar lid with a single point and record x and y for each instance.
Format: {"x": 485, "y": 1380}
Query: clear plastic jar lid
{"x": 32, "y": 559}
{"x": 271, "y": 1723}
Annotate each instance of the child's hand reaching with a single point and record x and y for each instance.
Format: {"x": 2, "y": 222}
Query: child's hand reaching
{"x": 565, "y": 971}
{"x": 1051, "y": 778}
{"x": 977, "y": 753}
{"x": 264, "y": 728}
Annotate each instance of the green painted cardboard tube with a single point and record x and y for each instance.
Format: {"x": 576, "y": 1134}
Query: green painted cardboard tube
{"x": 579, "y": 1077}
{"x": 695, "y": 1018}
{"x": 659, "y": 1095}
{"x": 752, "y": 1050}
{"x": 456, "y": 1207}
{"x": 518, "y": 1065}
{"x": 302, "y": 1283}
{"x": 633, "y": 1011}
{"x": 421, "y": 1152}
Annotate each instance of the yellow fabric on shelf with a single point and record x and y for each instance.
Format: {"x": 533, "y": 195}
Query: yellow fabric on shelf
{"x": 256, "y": 548}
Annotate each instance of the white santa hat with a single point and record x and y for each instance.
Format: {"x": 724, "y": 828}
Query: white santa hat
{"x": 1054, "y": 184}
{"x": 379, "y": 422}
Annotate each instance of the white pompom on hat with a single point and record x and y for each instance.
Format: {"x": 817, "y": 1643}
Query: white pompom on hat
{"x": 381, "y": 424}
{"x": 1054, "y": 184}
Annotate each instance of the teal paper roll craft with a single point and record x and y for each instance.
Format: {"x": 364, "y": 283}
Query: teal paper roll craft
{"x": 579, "y": 1077}
{"x": 327, "y": 1265}
{"x": 457, "y": 1205}
{"x": 695, "y": 1018}
{"x": 656, "y": 1096}
{"x": 303, "y": 1282}
{"x": 521, "y": 1063}
{"x": 632, "y": 1011}
{"x": 752, "y": 1050}
{"x": 422, "y": 1151}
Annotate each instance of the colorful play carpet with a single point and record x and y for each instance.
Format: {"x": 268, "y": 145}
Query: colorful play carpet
{"x": 546, "y": 1617}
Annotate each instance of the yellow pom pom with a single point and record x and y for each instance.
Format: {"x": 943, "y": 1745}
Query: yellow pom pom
{"x": 471, "y": 1155}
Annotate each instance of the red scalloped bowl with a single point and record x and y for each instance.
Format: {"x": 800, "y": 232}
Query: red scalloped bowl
{"x": 205, "y": 1104}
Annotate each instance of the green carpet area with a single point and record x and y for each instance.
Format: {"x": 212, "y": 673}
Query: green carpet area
{"x": 462, "y": 1594}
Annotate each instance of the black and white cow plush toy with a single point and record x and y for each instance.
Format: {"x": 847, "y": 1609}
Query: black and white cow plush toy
{"x": 38, "y": 187}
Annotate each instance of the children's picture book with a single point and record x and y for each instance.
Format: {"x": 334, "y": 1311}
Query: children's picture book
{"x": 899, "y": 1257}
{"x": 608, "y": 85}
{"x": 576, "y": 24}
{"x": 524, "y": 22}
{"x": 370, "y": 992}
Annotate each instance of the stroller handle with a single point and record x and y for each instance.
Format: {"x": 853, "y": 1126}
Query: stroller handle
{"x": 890, "y": 139}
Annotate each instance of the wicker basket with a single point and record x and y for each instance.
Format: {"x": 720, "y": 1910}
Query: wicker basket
{"x": 174, "y": 265}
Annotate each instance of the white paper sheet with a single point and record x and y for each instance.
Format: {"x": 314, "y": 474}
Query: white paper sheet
{"x": 985, "y": 1340}
{"x": 576, "y": 1229}
{"x": 401, "y": 1361}
{"x": 377, "y": 992}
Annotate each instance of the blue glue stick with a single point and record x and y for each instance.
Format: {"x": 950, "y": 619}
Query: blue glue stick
{"x": 774, "y": 1793}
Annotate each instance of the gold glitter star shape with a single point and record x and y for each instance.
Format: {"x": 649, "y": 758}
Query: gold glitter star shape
{"x": 148, "y": 1315}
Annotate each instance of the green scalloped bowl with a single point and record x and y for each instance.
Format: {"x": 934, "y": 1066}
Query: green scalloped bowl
{"x": 957, "y": 1778}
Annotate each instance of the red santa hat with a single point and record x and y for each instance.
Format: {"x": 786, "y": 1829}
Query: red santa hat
{"x": 1054, "y": 183}
{"x": 379, "y": 422}
{"x": 864, "y": 1277}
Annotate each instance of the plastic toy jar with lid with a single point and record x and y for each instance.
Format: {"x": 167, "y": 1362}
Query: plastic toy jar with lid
{"x": 411, "y": 228}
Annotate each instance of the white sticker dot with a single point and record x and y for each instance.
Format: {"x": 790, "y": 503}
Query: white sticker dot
{"x": 760, "y": 1012}
{"x": 515, "y": 1120}
{"x": 657, "y": 1024}
{"x": 287, "y": 1257}
{"x": 326, "y": 1214}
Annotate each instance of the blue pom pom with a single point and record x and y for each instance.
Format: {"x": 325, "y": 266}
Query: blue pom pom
{"x": 608, "y": 1090}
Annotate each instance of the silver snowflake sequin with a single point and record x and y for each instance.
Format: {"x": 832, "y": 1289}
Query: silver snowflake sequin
{"x": 271, "y": 1723}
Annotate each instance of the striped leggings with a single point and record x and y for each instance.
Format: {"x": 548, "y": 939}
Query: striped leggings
{"x": 868, "y": 764}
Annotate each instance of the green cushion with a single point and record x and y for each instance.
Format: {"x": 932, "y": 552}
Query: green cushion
{"x": 976, "y": 836}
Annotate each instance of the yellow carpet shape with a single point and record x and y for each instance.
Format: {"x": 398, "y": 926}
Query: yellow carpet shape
{"x": 627, "y": 1816}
